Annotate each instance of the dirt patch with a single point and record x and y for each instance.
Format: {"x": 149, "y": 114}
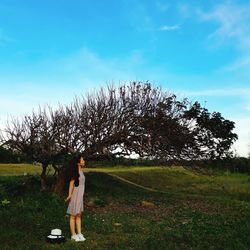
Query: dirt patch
{"x": 161, "y": 210}
{"x": 135, "y": 208}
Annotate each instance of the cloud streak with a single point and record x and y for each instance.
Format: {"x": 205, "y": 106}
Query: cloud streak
{"x": 76, "y": 74}
{"x": 244, "y": 92}
{"x": 169, "y": 27}
{"x": 233, "y": 22}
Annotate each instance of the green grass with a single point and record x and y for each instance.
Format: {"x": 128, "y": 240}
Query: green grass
{"x": 10, "y": 169}
{"x": 195, "y": 212}
{"x": 181, "y": 180}
{"x": 174, "y": 179}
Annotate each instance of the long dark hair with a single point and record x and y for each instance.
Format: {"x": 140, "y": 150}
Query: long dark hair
{"x": 73, "y": 165}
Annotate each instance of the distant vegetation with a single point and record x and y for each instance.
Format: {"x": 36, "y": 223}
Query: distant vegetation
{"x": 7, "y": 155}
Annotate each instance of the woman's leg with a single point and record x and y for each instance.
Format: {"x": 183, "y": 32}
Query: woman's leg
{"x": 78, "y": 223}
{"x": 72, "y": 224}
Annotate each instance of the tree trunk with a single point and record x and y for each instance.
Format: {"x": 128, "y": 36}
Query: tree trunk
{"x": 56, "y": 169}
{"x": 61, "y": 181}
{"x": 43, "y": 176}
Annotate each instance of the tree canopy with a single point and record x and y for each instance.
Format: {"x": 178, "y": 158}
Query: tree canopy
{"x": 136, "y": 118}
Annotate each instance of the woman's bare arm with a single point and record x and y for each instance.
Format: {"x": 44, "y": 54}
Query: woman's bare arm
{"x": 71, "y": 185}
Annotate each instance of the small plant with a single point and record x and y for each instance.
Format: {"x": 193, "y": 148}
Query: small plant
{"x": 95, "y": 201}
{"x": 100, "y": 202}
{"x": 5, "y": 202}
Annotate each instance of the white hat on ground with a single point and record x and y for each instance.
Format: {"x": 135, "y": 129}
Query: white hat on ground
{"x": 56, "y": 236}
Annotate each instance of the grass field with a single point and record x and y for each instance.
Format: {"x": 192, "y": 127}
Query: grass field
{"x": 155, "y": 208}
{"x": 20, "y": 169}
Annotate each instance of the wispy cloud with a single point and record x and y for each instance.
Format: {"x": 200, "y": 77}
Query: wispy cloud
{"x": 85, "y": 64}
{"x": 241, "y": 93}
{"x": 248, "y": 107}
{"x": 169, "y": 27}
{"x": 185, "y": 10}
{"x": 233, "y": 22}
{"x": 242, "y": 62}
{"x": 244, "y": 92}
{"x": 75, "y": 74}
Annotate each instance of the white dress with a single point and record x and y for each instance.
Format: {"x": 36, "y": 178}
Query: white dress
{"x": 76, "y": 201}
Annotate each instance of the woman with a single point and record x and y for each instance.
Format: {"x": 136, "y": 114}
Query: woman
{"x": 75, "y": 197}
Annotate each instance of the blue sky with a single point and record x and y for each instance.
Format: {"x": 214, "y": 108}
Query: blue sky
{"x": 51, "y": 51}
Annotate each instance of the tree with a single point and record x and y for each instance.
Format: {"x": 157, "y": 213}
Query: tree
{"x": 9, "y": 156}
{"x": 37, "y": 137}
{"x": 213, "y": 133}
{"x": 134, "y": 118}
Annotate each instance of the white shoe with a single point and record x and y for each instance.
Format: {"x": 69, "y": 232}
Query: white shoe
{"x": 75, "y": 237}
{"x": 81, "y": 237}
